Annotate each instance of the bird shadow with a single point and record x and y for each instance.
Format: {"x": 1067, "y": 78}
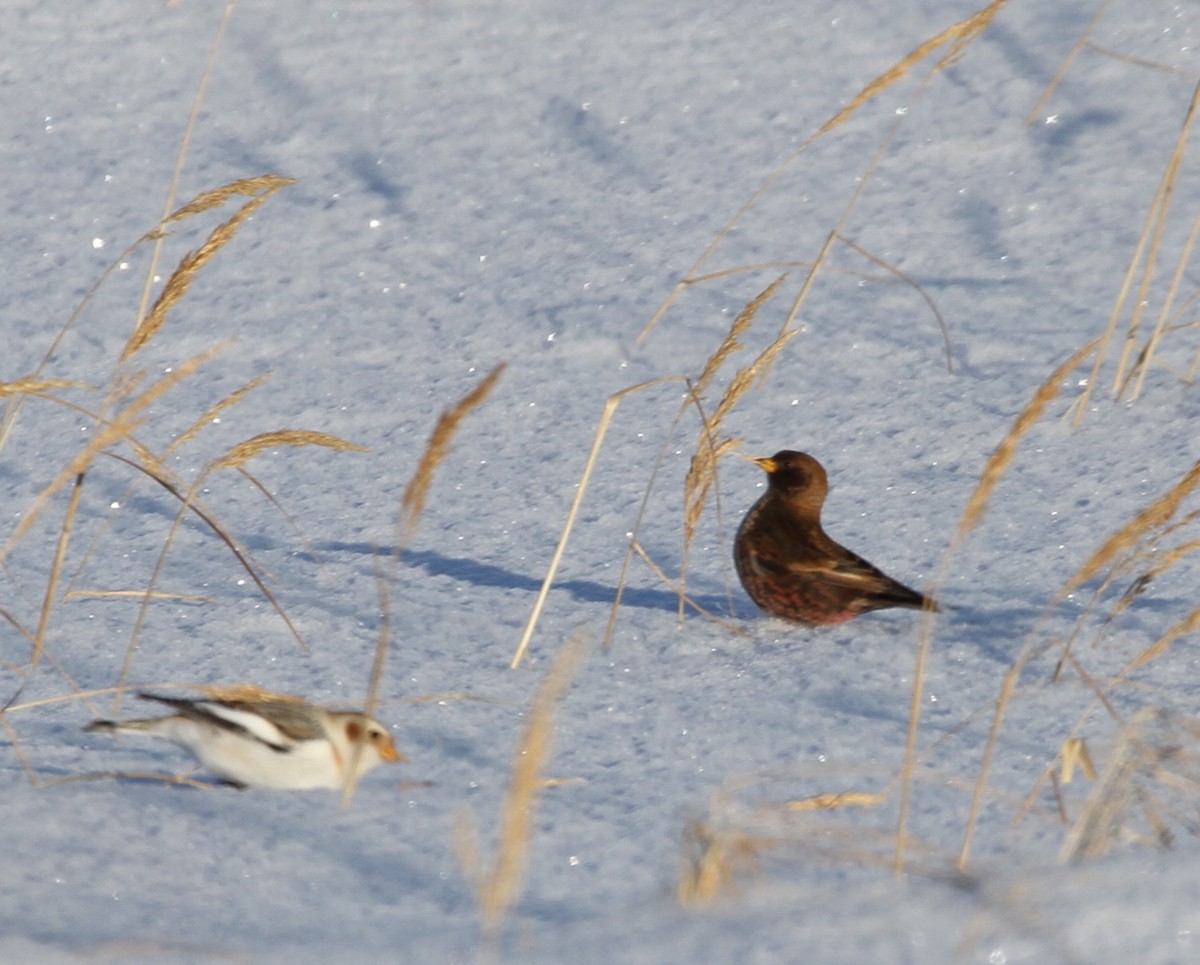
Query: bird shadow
{"x": 487, "y": 574}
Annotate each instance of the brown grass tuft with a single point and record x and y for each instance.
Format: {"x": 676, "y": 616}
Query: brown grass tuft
{"x": 714, "y": 860}
{"x": 1149, "y": 789}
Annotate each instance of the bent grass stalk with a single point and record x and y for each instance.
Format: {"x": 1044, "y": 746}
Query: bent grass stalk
{"x": 498, "y": 886}
{"x": 234, "y": 458}
{"x": 412, "y": 505}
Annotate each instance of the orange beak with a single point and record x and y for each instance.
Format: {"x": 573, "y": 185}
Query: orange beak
{"x": 387, "y": 751}
{"x": 766, "y": 464}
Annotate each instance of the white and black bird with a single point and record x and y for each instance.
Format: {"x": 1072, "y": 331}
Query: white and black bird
{"x": 251, "y": 737}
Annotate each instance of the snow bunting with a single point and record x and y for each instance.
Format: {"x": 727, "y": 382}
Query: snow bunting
{"x": 251, "y": 737}
{"x": 791, "y": 568}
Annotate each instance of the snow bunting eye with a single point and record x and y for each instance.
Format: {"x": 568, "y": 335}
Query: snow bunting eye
{"x": 381, "y": 740}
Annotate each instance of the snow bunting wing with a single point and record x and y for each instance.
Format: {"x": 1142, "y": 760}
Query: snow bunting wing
{"x": 275, "y": 742}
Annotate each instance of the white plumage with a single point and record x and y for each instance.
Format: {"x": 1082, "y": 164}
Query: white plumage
{"x": 255, "y": 738}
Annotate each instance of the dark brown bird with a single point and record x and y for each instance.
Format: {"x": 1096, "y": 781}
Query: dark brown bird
{"x": 791, "y": 568}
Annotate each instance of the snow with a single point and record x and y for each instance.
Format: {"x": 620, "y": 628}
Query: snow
{"x": 527, "y": 182}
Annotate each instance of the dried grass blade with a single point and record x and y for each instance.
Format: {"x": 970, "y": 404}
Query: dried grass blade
{"x": 32, "y": 385}
{"x": 610, "y": 407}
{"x": 108, "y": 434}
{"x": 181, "y": 154}
{"x": 244, "y": 451}
{"x": 239, "y": 552}
{"x": 731, "y": 343}
{"x": 133, "y": 595}
{"x": 1188, "y": 624}
{"x": 500, "y": 887}
{"x": 60, "y": 554}
{"x": 213, "y": 412}
{"x": 702, "y": 469}
{"x": 184, "y": 274}
{"x": 413, "y": 501}
{"x": 630, "y": 549}
{"x": 1153, "y": 516}
{"x": 995, "y": 467}
{"x": 1145, "y": 251}
{"x": 1002, "y": 457}
{"x": 412, "y": 506}
{"x": 1157, "y": 223}
{"x": 1181, "y": 265}
{"x": 960, "y": 34}
{"x": 260, "y": 187}
{"x": 1065, "y": 66}
{"x": 912, "y": 283}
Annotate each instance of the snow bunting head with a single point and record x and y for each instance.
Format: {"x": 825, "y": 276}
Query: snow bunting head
{"x": 254, "y": 738}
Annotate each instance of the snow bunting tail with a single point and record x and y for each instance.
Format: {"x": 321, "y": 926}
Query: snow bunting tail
{"x": 272, "y": 740}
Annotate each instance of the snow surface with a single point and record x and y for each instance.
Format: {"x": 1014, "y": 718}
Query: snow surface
{"x": 526, "y": 182}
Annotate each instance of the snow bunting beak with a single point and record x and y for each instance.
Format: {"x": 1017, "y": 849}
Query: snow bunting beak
{"x": 387, "y": 750}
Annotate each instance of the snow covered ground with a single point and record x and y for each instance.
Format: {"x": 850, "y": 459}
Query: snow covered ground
{"x": 479, "y": 182}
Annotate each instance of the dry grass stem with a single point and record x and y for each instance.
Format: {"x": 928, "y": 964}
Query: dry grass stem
{"x": 1142, "y": 364}
{"x": 1188, "y": 624}
{"x": 188, "y": 502}
{"x": 1152, "y": 517}
{"x": 737, "y": 837}
{"x": 245, "y": 451}
{"x": 413, "y": 501}
{"x": 211, "y": 414}
{"x": 957, "y": 36}
{"x": 185, "y": 273}
{"x": 993, "y": 470}
{"x": 60, "y": 553}
{"x": 1156, "y": 226}
{"x": 1003, "y": 455}
{"x": 632, "y": 548}
{"x": 714, "y": 861}
{"x": 610, "y": 407}
{"x": 915, "y": 286}
{"x": 255, "y": 188}
{"x": 133, "y": 595}
{"x": 98, "y": 442}
{"x": 1145, "y": 255}
{"x": 1067, "y": 62}
{"x": 412, "y": 505}
{"x": 500, "y": 886}
{"x": 181, "y": 154}
{"x": 989, "y": 748}
{"x": 1153, "y": 773}
{"x": 702, "y": 470}
{"x": 1074, "y": 753}
{"x": 32, "y": 385}
{"x": 678, "y": 589}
